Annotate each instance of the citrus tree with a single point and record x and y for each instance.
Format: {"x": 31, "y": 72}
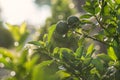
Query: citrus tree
{"x": 80, "y": 62}
{"x": 63, "y": 53}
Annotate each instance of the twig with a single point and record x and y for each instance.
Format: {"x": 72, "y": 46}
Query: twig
{"x": 91, "y": 38}
{"x": 101, "y": 24}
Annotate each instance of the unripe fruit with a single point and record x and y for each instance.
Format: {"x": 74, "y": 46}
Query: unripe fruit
{"x": 73, "y": 21}
{"x": 62, "y": 27}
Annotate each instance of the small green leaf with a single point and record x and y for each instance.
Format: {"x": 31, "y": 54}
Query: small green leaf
{"x": 98, "y": 64}
{"x": 56, "y": 52}
{"x": 87, "y": 61}
{"x": 66, "y": 54}
{"x": 51, "y": 31}
{"x": 62, "y": 74}
{"x": 86, "y": 22}
{"x": 86, "y": 16}
{"x": 37, "y": 43}
{"x": 90, "y": 49}
{"x": 97, "y": 10}
{"x": 106, "y": 10}
{"x": 23, "y": 28}
{"x": 111, "y": 53}
{"x": 79, "y": 52}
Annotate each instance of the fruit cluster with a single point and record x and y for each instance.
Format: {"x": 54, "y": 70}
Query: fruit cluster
{"x": 63, "y": 27}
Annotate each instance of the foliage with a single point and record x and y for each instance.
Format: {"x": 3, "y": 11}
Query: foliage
{"x": 60, "y": 11}
{"x": 6, "y": 39}
{"x": 57, "y": 57}
{"x": 19, "y": 33}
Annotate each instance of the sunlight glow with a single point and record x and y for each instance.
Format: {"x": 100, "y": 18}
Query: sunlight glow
{"x": 17, "y": 11}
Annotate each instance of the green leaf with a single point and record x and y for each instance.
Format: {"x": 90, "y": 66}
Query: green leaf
{"x": 79, "y": 52}
{"x": 22, "y": 40}
{"x": 14, "y": 29}
{"x": 37, "y": 43}
{"x": 111, "y": 53}
{"x": 100, "y": 35}
{"x": 7, "y": 58}
{"x": 45, "y": 71}
{"x": 106, "y": 10}
{"x": 23, "y": 28}
{"x": 90, "y": 49}
{"x": 56, "y": 52}
{"x": 6, "y": 53}
{"x": 86, "y": 16}
{"x": 31, "y": 63}
{"x": 89, "y": 9}
{"x": 87, "y": 61}
{"x": 86, "y": 22}
{"x": 98, "y": 64}
{"x": 51, "y": 31}
{"x": 62, "y": 74}
{"x": 23, "y": 57}
{"x": 104, "y": 57}
{"x": 97, "y": 10}
{"x": 66, "y": 54}
{"x": 7, "y": 64}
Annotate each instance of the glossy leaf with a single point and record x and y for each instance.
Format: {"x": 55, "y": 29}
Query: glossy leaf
{"x": 90, "y": 49}
{"x": 62, "y": 74}
{"x": 86, "y": 16}
{"x": 111, "y": 53}
{"x": 79, "y": 52}
{"x": 97, "y": 10}
{"x": 51, "y": 31}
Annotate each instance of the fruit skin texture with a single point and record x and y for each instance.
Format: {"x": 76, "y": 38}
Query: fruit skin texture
{"x": 73, "y": 21}
{"x": 62, "y": 27}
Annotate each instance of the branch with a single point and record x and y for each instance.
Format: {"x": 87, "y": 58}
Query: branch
{"x": 87, "y": 36}
{"x": 101, "y": 24}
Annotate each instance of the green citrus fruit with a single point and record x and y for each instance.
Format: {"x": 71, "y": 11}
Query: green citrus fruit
{"x": 73, "y": 21}
{"x": 62, "y": 27}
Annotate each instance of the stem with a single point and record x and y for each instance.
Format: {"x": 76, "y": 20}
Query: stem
{"x": 92, "y": 38}
{"x": 101, "y": 24}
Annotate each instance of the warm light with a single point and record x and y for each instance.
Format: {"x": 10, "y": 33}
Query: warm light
{"x": 17, "y": 11}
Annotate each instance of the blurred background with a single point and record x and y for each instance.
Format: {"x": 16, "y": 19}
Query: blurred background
{"x": 37, "y": 14}
{"x": 34, "y": 12}
{"x": 17, "y": 11}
